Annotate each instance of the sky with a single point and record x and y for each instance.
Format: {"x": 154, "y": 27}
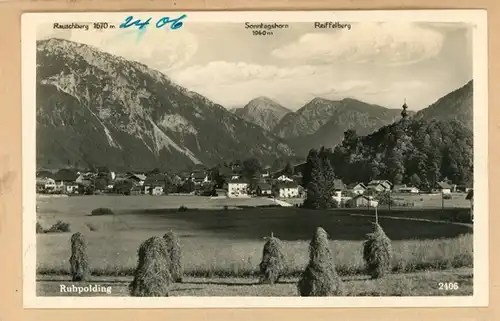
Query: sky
{"x": 379, "y": 63}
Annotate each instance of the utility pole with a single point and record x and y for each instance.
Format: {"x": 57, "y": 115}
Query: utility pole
{"x": 376, "y": 215}
{"x": 442, "y": 199}
{"x": 389, "y": 200}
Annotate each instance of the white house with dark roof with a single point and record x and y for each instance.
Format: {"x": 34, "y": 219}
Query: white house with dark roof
{"x": 444, "y": 187}
{"x": 237, "y": 188}
{"x": 357, "y": 188}
{"x": 284, "y": 178}
{"x": 379, "y": 185}
{"x": 287, "y": 189}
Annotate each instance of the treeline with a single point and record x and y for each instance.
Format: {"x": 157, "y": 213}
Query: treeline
{"x": 415, "y": 152}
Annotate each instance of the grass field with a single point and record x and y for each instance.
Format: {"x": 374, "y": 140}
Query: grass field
{"x": 411, "y": 284}
{"x": 225, "y": 246}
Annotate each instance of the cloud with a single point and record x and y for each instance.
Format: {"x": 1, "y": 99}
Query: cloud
{"x": 234, "y": 84}
{"x": 379, "y": 43}
{"x": 158, "y": 48}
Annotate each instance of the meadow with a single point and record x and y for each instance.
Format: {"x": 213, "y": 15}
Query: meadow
{"x": 223, "y": 247}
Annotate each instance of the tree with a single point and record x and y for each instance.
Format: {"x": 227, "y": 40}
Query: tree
{"x": 321, "y": 182}
{"x": 311, "y": 158}
{"x": 188, "y": 186}
{"x": 103, "y": 169}
{"x": 288, "y": 170}
{"x": 415, "y": 180}
{"x": 250, "y": 168}
{"x": 155, "y": 171}
{"x": 329, "y": 178}
{"x": 101, "y": 184}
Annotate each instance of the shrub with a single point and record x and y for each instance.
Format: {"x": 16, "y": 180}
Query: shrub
{"x": 102, "y": 211}
{"x": 39, "y": 228}
{"x": 273, "y": 265}
{"x": 152, "y": 275}
{"x": 92, "y": 227}
{"x": 320, "y": 277}
{"x": 377, "y": 253}
{"x": 175, "y": 254}
{"x": 183, "y": 208}
{"x": 80, "y": 270}
{"x": 59, "y": 227}
{"x": 447, "y": 196}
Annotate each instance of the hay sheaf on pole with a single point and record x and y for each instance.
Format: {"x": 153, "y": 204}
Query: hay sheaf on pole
{"x": 152, "y": 276}
{"x": 273, "y": 264}
{"x": 80, "y": 270}
{"x": 320, "y": 277}
{"x": 377, "y": 252}
{"x": 175, "y": 253}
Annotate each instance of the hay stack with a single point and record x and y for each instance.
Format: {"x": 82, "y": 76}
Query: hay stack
{"x": 80, "y": 270}
{"x": 320, "y": 278}
{"x": 175, "y": 253}
{"x": 152, "y": 275}
{"x": 39, "y": 228}
{"x": 377, "y": 253}
{"x": 273, "y": 265}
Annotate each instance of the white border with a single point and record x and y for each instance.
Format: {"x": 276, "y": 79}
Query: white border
{"x": 480, "y": 297}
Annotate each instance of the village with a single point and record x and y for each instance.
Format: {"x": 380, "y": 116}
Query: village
{"x": 231, "y": 183}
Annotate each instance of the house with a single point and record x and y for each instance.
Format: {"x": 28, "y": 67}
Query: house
{"x": 266, "y": 173}
{"x": 65, "y": 181}
{"x": 356, "y": 188}
{"x": 287, "y": 189}
{"x": 264, "y": 189}
{"x": 338, "y": 187}
{"x": 362, "y": 201}
{"x": 85, "y": 179}
{"x": 200, "y": 177}
{"x": 136, "y": 178}
{"x": 300, "y": 168}
{"x": 157, "y": 190}
{"x": 397, "y": 187}
{"x": 220, "y": 192}
{"x": 237, "y": 188}
{"x": 135, "y": 190}
{"x": 184, "y": 177}
{"x": 284, "y": 178}
{"x": 463, "y": 188}
{"x": 409, "y": 190}
{"x": 235, "y": 176}
{"x": 155, "y": 184}
{"x": 470, "y": 198}
{"x": 45, "y": 184}
{"x": 298, "y": 178}
{"x": 444, "y": 187}
{"x": 379, "y": 186}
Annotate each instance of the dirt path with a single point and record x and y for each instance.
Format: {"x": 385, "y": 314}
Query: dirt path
{"x": 413, "y": 219}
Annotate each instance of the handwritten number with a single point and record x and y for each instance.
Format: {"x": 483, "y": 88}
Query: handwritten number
{"x": 176, "y": 23}
{"x": 137, "y": 22}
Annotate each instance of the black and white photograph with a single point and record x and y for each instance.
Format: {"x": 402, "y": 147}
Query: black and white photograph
{"x": 255, "y": 159}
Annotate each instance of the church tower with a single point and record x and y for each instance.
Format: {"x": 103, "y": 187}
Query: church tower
{"x": 404, "y": 113}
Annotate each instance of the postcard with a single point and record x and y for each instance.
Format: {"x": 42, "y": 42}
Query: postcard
{"x": 255, "y": 159}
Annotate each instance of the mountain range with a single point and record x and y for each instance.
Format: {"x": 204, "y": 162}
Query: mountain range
{"x": 456, "y": 105}
{"x": 262, "y": 111}
{"x": 97, "y": 109}
{"x": 322, "y": 122}
{"x": 94, "y": 108}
